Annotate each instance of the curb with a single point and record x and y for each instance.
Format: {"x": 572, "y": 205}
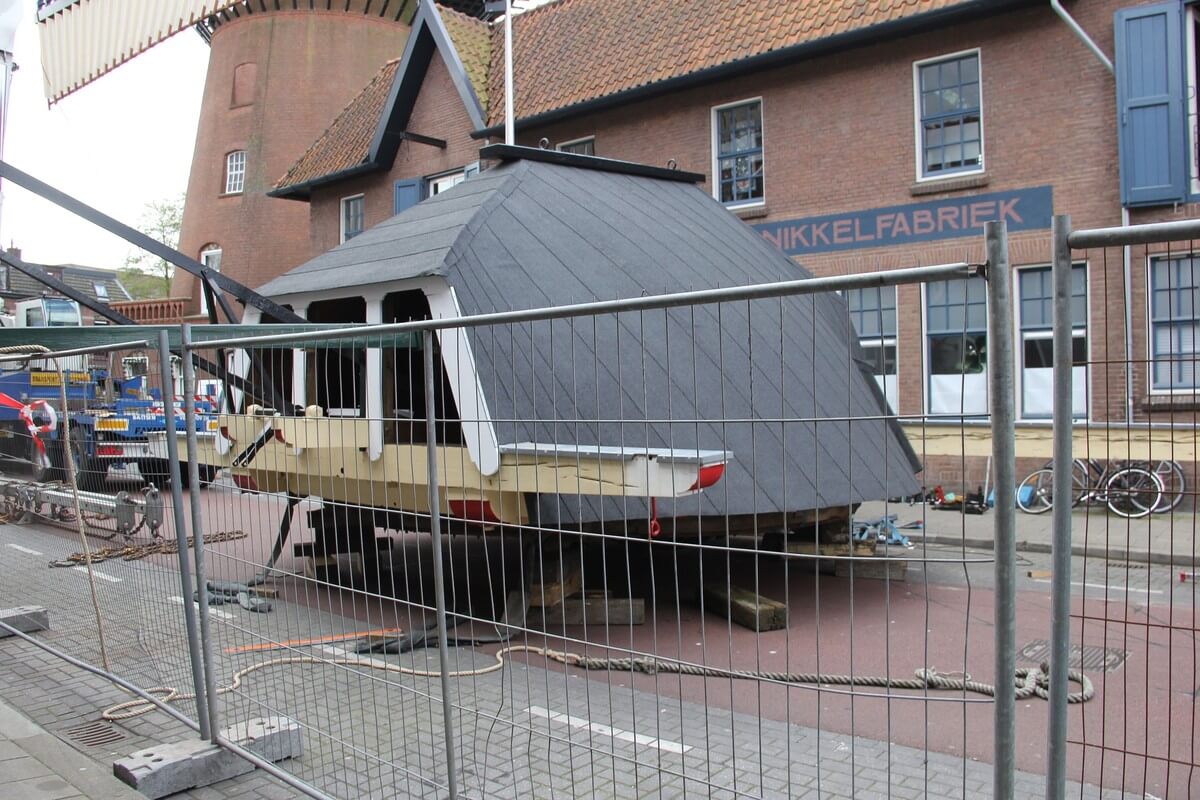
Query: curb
{"x": 1106, "y": 553}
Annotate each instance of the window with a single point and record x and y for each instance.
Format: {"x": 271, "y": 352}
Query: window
{"x": 210, "y": 258}
{"x": 949, "y": 114}
{"x": 956, "y": 328}
{"x": 352, "y": 216}
{"x": 873, "y": 312}
{"x": 441, "y": 183}
{"x": 580, "y": 147}
{"x": 1035, "y": 307}
{"x": 101, "y": 290}
{"x": 235, "y": 172}
{"x": 738, "y": 153}
{"x": 1174, "y": 322}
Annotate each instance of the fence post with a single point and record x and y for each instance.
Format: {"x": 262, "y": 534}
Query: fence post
{"x": 435, "y": 528}
{"x": 194, "y": 501}
{"x": 185, "y": 572}
{"x": 1060, "y": 622}
{"x": 1001, "y": 398}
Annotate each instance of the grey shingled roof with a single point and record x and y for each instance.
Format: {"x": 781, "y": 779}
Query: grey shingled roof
{"x": 528, "y": 234}
{"x": 80, "y": 278}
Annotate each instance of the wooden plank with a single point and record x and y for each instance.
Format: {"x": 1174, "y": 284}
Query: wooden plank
{"x": 592, "y": 608}
{"x": 874, "y": 569}
{"x": 810, "y": 548}
{"x": 744, "y": 607}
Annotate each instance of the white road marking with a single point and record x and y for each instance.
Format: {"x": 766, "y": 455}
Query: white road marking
{"x": 222, "y": 614}
{"x": 101, "y": 575}
{"x": 1107, "y": 586}
{"x": 21, "y": 549}
{"x": 606, "y": 730}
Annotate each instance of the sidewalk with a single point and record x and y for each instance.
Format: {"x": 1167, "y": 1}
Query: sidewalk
{"x": 1095, "y": 532}
{"x": 36, "y": 765}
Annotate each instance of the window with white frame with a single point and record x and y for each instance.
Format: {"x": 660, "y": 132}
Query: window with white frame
{"x": 440, "y": 183}
{"x": 353, "y": 216}
{"x": 235, "y": 172}
{"x": 101, "y": 290}
{"x": 1174, "y": 323}
{"x": 873, "y": 312}
{"x": 738, "y": 167}
{"x": 1035, "y": 309}
{"x": 580, "y": 147}
{"x": 211, "y": 259}
{"x": 949, "y": 116}
{"x": 956, "y": 333}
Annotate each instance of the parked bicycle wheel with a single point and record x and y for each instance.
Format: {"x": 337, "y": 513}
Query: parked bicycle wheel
{"x": 1035, "y": 494}
{"x": 1133, "y": 492}
{"x": 1174, "y": 485}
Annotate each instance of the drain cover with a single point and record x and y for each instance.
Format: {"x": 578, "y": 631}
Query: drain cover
{"x": 1085, "y": 657}
{"x": 94, "y": 734}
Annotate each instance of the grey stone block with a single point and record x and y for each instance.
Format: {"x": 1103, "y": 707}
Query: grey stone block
{"x": 170, "y": 768}
{"x": 26, "y": 619}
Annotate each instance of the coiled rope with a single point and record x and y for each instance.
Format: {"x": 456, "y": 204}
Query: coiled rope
{"x": 1030, "y": 682}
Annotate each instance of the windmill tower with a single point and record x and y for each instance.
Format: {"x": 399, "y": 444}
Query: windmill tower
{"x": 278, "y": 72}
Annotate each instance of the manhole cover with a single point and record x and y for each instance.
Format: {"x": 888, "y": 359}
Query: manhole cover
{"x": 94, "y": 734}
{"x": 1087, "y": 657}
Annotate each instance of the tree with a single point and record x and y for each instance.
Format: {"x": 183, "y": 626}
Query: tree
{"x": 146, "y": 275}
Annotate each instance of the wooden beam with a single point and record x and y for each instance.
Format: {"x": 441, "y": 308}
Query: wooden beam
{"x": 744, "y": 606}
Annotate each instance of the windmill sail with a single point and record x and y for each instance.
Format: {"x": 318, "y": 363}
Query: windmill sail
{"x": 82, "y": 40}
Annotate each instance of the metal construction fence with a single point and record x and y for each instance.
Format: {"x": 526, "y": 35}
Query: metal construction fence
{"x": 665, "y": 546}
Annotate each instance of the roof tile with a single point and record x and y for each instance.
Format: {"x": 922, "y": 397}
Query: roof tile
{"x": 572, "y": 51}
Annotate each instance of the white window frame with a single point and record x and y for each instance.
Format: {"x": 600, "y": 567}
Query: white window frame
{"x": 714, "y": 145}
{"x": 1191, "y": 19}
{"x": 342, "y": 215}
{"x": 885, "y": 341}
{"x": 433, "y": 181}
{"x": 927, "y": 363}
{"x": 204, "y": 254}
{"x": 101, "y": 290}
{"x": 1019, "y": 339}
{"x": 1148, "y": 345}
{"x": 919, "y": 131}
{"x": 561, "y": 145}
{"x": 235, "y": 179}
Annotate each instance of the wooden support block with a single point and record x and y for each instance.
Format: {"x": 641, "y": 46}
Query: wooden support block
{"x": 811, "y": 548}
{"x": 1039, "y": 573}
{"x": 744, "y": 607}
{"x": 875, "y": 568}
{"x": 554, "y": 588}
{"x": 592, "y": 608}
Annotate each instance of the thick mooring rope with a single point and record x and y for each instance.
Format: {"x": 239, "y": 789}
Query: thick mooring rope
{"x": 1030, "y": 682}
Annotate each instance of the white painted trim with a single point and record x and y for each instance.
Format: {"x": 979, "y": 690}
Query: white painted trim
{"x": 228, "y": 162}
{"x": 342, "y": 214}
{"x": 1193, "y": 85}
{"x": 918, "y": 132}
{"x": 1148, "y": 329}
{"x": 374, "y": 382}
{"x": 203, "y": 256}
{"x": 927, "y": 360}
{"x": 714, "y": 150}
{"x": 430, "y": 180}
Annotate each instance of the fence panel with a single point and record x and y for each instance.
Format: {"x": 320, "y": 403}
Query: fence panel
{"x": 1133, "y": 532}
{"x": 665, "y": 536}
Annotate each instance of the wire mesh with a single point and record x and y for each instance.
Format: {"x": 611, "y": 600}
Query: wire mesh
{"x": 653, "y": 528}
{"x": 1134, "y": 529}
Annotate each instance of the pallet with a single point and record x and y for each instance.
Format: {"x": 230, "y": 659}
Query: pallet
{"x": 876, "y": 569}
{"x": 745, "y": 607}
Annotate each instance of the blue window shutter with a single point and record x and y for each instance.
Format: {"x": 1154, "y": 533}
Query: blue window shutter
{"x": 1152, "y": 133}
{"x": 471, "y": 169}
{"x": 408, "y": 194}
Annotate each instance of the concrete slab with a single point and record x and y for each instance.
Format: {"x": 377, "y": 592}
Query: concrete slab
{"x": 169, "y": 768}
{"x": 26, "y": 619}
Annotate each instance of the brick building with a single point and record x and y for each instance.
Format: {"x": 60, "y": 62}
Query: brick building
{"x": 855, "y": 138}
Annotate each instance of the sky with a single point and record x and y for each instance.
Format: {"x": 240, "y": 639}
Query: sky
{"x": 116, "y": 144}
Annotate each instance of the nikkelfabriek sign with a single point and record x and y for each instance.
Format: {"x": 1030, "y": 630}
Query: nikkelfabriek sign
{"x": 1022, "y": 209}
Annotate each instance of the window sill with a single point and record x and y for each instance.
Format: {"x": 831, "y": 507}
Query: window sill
{"x": 230, "y": 194}
{"x": 750, "y": 212}
{"x": 1184, "y": 401}
{"x": 951, "y": 184}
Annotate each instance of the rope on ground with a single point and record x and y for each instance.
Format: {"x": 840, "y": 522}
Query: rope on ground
{"x": 1030, "y": 682}
{"x": 136, "y": 552}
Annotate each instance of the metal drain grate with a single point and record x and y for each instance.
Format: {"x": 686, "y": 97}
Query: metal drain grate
{"x": 1088, "y": 657}
{"x": 94, "y": 734}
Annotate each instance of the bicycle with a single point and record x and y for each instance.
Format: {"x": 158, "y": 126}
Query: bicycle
{"x": 1168, "y": 471}
{"x": 1128, "y": 491}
